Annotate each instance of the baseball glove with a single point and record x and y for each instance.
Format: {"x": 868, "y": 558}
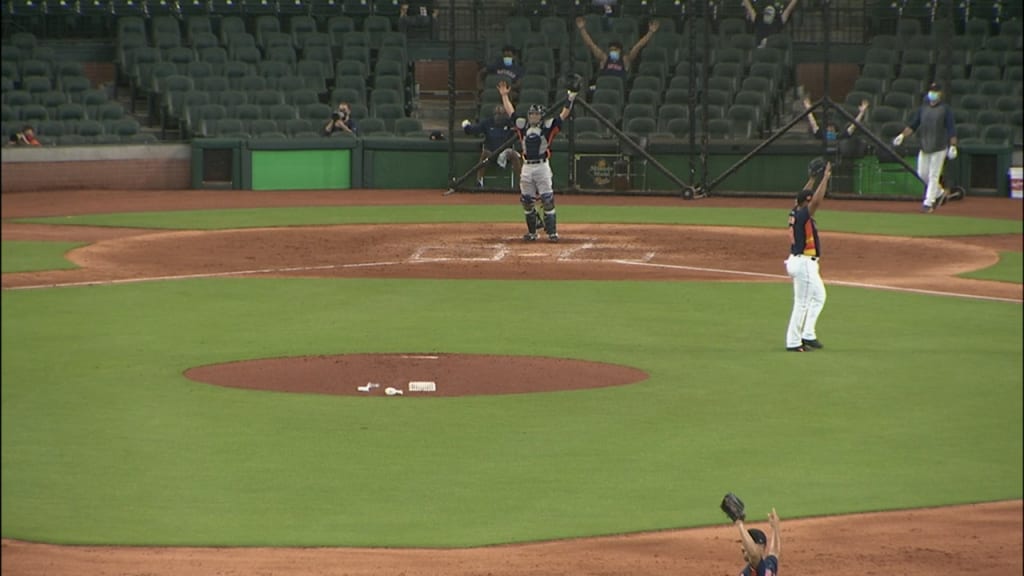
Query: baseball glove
{"x": 816, "y": 167}
{"x": 733, "y": 507}
{"x": 574, "y": 83}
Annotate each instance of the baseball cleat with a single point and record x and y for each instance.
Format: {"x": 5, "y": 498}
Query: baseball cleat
{"x": 798, "y": 349}
{"x": 553, "y": 237}
{"x": 926, "y": 209}
{"x": 529, "y": 236}
{"x": 813, "y": 344}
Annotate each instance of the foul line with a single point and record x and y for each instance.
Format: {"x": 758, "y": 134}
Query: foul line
{"x": 500, "y": 255}
{"x": 835, "y": 282}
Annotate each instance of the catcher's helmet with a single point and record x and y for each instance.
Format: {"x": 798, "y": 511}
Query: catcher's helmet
{"x": 758, "y": 536}
{"x": 536, "y": 109}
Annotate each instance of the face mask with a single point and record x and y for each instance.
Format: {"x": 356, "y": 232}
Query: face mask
{"x": 507, "y": 60}
{"x": 933, "y": 97}
{"x": 614, "y": 54}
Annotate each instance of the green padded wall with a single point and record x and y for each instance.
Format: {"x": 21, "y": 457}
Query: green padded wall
{"x": 301, "y": 169}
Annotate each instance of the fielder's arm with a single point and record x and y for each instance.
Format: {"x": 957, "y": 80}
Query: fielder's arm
{"x": 752, "y": 549}
{"x": 775, "y": 544}
{"x": 504, "y": 89}
{"x": 819, "y": 194}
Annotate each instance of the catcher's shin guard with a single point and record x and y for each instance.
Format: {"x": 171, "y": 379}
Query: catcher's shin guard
{"x": 550, "y": 223}
{"x": 531, "y": 221}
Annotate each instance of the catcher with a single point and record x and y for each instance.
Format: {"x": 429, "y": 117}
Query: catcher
{"x": 760, "y": 553}
{"x": 535, "y": 135}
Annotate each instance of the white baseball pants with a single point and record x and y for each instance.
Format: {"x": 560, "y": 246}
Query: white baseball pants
{"x": 929, "y": 168}
{"x": 808, "y": 299}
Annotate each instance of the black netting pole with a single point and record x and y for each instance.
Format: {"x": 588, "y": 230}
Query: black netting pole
{"x": 571, "y": 62}
{"x": 946, "y": 56}
{"x": 691, "y": 101}
{"x": 704, "y": 120}
{"x": 451, "y": 90}
{"x": 826, "y": 14}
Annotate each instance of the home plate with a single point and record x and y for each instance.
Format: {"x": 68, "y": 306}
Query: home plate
{"x": 422, "y": 386}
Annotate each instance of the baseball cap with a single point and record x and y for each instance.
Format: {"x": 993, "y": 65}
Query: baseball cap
{"x": 935, "y": 86}
{"x": 769, "y": 10}
{"x": 803, "y": 195}
{"x": 758, "y": 536}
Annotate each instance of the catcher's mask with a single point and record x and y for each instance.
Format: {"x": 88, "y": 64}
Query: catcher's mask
{"x": 537, "y": 109}
{"x": 803, "y": 196}
{"x": 758, "y": 536}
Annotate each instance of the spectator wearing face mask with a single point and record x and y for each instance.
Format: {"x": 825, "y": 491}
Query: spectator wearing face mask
{"x": 615, "y": 62}
{"x": 832, "y": 135}
{"x": 507, "y": 67}
{"x": 769, "y": 23}
{"x": 936, "y": 133}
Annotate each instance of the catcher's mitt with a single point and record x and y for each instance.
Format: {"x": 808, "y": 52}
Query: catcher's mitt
{"x": 575, "y": 83}
{"x": 816, "y": 167}
{"x": 733, "y": 507}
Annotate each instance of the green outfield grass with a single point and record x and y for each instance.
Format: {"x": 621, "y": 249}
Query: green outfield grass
{"x": 917, "y": 401}
{"x": 1010, "y": 268}
{"x": 834, "y": 221}
{"x": 21, "y": 256}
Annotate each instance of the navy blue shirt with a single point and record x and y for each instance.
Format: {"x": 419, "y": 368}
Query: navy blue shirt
{"x": 769, "y": 566}
{"x": 614, "y": 68}
{"x": 509, "y": 73}
{"x": 763, "y": 29}
{"x": 495, "y": 133}
{"x": 803, "y": 232}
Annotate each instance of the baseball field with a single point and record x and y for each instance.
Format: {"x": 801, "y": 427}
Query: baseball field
{"x": 184, "y": 385}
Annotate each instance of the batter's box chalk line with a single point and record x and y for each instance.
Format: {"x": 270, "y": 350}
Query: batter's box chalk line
{"x": 471, "y": 253}
{"x": 589, "y": 250}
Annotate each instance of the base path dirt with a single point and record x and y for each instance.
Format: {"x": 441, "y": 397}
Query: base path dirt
{"x": 983, "y": 539}
{"x": 975, "y": 539}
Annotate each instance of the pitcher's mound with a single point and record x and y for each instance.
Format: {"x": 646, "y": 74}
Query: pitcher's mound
{"x": 452, "y": 374}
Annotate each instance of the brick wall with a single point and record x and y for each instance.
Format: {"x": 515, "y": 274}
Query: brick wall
{"x": 99, "y": 72}
{"x": 133, "y": 174}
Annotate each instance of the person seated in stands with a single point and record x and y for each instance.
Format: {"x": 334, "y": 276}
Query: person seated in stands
{"x": 507, "y": 67}
{"x": 27, "y": 137}
{"x": 614, "y": 62}
{"x": 421, "y": 23}
{"x": 496, "y": 130}
{"x": 341, "y": 121}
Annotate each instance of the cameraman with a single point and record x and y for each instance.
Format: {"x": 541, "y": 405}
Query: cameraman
{"x": 27, "y": 137}
{"x": 341, "y": 121}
